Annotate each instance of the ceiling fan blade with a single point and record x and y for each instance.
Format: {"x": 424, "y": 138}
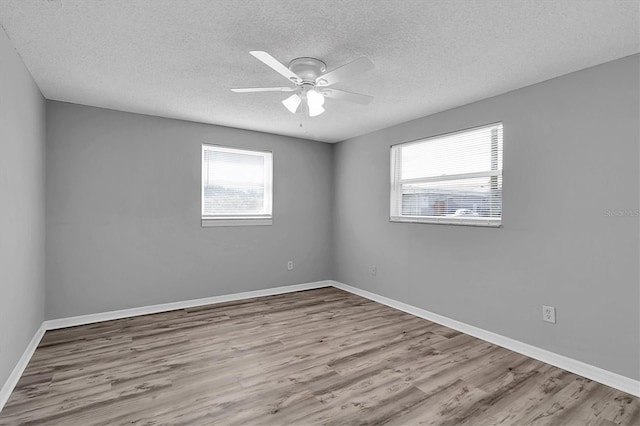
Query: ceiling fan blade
{"x": 264, "y": 89}
{"x": 273, "y": 63}
{"x": 358, "y": 66}
{"x": 347, "y": 96}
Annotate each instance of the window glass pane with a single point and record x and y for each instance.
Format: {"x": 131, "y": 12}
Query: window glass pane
{"x": 477, "y": 197}
{"x": 453, "y": 178}
{"x": 235, "y": 183}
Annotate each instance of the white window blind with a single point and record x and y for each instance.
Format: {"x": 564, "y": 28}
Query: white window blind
{"x": 236, "y": 186}
{"x": 454, "y": 178}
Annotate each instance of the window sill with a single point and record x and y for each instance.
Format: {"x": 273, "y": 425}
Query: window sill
{"x": 491, "y": 223}
{"x": 251, "y": 221}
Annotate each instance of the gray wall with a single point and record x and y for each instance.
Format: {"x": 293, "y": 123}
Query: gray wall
{"x": 22, "y": 141}
{"x": 123, "y": 213}
{"x": 570, "y": 154}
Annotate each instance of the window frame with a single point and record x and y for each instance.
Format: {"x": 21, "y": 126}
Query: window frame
{"x": 395, "y": 214}
{"x": 208, "y": 220}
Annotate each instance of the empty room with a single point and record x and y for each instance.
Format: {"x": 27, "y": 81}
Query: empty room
{"x": 338, "y": 212}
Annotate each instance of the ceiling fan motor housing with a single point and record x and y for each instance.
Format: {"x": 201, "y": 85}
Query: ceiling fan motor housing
{"x": 309, "y": 69}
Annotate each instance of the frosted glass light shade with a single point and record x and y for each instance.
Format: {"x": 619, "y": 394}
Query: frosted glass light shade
{"x": 315, "y": 100}
{"x": 292, "y": 103}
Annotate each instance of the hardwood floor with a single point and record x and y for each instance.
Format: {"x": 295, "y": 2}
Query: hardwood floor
{"x": 312, "y": 357}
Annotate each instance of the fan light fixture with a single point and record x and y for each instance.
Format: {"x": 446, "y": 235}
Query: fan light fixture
{"x": 315, "y": 100}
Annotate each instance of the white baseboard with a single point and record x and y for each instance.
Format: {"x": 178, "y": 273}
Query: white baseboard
{"x": 172, "y": 306}
{"x": 17, "y": 371}
{"x": 597, "y": 374}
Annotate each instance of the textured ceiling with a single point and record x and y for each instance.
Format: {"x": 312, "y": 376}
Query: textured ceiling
{"x": 178, "y": 58}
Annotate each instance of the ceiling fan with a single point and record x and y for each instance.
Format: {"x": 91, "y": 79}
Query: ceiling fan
{"x": 312, "y": 84}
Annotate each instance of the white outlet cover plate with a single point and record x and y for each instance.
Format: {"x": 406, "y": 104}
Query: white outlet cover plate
{"x": 549, "y": 314}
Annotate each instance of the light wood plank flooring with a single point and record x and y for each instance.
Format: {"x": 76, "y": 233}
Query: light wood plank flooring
{"x": 312, "y": 357}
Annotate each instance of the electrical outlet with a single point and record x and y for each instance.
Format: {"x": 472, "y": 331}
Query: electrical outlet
{"x": 374, "y": 271}
{"x": 548, "y": 314}
{"x": 290, "y": 265}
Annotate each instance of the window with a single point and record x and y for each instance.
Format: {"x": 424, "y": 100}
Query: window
{"x": 236, "y": 186}
{"x": 454, "y": 178}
